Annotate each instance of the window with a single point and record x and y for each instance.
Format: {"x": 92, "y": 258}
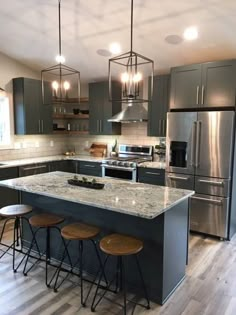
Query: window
{"x": 5, "y": 136}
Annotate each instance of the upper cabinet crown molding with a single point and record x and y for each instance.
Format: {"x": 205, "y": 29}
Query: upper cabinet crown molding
{"x": 206, "y": 85}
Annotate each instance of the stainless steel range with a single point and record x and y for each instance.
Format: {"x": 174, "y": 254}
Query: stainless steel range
{"x": 125, "y": 165}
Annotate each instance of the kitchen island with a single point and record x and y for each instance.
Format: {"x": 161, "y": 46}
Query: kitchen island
{"x": 157, "y": 215}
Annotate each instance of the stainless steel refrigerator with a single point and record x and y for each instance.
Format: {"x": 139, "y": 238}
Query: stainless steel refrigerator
{"x": 199, "y": 156}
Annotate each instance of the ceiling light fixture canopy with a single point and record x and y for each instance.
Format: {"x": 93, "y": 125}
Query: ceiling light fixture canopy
{"x": 60, "y": 81}
{"x": 131, "y": 68}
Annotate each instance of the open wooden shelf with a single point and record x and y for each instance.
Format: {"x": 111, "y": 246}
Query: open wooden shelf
{"x": 70, "y": 132}
{"x": 70, "y": 116}
{"x": 70, "y": 101}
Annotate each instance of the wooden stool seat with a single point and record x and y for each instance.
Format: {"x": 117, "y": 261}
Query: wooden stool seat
{"x": 15, "y": 210}
{"x": 45, "y": 220}
{"x": 120, "y": 245}
{"x": 79, "y": 231}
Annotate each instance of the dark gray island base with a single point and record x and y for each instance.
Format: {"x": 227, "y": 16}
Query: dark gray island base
{"x": 165, "y": 239}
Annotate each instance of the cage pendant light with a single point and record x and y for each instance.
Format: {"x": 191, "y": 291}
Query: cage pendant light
{"x": 131, "y": 68}
{"x": 60, "y": 83}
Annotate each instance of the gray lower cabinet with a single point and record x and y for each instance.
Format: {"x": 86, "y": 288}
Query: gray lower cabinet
{"x": 89, "y": 168}
{"x": 63, "y": 166}
{"x": 153, "y": 176}
{"x": 207, "y": 85}
{"x": 158, "y": 108}
{"x": 33, "y": 169}
{"x": 8, "y": 196}
{"x": 30, "y": 115}
{"x": 101, "y": 109}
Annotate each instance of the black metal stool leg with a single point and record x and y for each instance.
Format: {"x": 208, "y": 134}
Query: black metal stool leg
{"x": 143, "y": 283}
{"x": 81, "y": 272}
{"x": 123, "y": 281}
{"x": 48, "y": 254}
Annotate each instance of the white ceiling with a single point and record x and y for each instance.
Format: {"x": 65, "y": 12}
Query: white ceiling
{"x": 29, "y": 31}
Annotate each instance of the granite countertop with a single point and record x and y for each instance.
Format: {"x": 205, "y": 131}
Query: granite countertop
{"x": 146, "y": 201}
{"x": 51, "y": 158}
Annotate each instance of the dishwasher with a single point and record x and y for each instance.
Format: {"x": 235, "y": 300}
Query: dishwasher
{"x": 33, "y": 169}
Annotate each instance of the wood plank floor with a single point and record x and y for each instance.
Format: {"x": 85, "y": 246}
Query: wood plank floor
{"x": 209, "y": 287}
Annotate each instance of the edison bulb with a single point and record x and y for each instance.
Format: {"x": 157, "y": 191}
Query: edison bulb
{"x": 55, "y": 85}
{"x": 66, "y": 85}
{"x": 137, "y": 77}
{"x": 124, "y": 77}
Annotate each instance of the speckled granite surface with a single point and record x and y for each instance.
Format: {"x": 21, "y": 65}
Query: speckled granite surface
{"x": 147, "y": 201}
{"x": 50, "y": 159}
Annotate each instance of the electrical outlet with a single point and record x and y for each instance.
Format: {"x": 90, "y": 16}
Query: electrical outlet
{"x": 36, "y": 144}
{"x": 51, "y": 143}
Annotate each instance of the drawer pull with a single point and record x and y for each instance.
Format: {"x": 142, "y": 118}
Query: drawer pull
{"x": 208, "y": 200}
{"x": 211, "y": 182}
{"x": 33, "y": 168}
{"x": 152, "y": 173}
{"x": 177, "y": 177}
{"x": 87, "y": 165}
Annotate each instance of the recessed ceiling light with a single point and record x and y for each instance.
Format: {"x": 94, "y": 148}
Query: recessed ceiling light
{"x": 190, "y": 33}
{"x": 115, "y": 48}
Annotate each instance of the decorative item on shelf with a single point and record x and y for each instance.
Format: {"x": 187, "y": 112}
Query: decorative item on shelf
{"x": 113, "y": 149}
{"x": 84, "y": 111}
{"x": 76, "y": 111}
{"x": 98, "y": 149}
{"x": 66, "y": 78}
{"x": 131, "y": 67}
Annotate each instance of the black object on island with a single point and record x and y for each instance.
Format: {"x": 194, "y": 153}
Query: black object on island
{"x": 86, "y": 184}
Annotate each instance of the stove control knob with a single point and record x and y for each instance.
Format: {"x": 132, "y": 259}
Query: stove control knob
{"x": 121, "y": 164}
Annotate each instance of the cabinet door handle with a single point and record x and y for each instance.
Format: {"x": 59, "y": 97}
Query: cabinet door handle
{"x": 208, "y": 200}
{"x": 97, "y": 125}
{"x": 152, "y": 173}
{"x": 177, "y": 177}
{"x": 159, "y": 127}
{"x": 87, "y": 165}
{"x": 42, "y": 126}
{"x": 39, "y": 126}
{"x": 100, "y": 125}
{"x": 203, "y": 90}
{"x": 211, "y": 182}
{"x": 197, "y": 96}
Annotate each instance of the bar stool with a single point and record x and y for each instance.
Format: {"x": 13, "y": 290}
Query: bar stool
{"x": 15, "y": 212}
{"x": 120, "y": 246}
{"x": 78, "y": 232}
{"x": 42, "y": 221}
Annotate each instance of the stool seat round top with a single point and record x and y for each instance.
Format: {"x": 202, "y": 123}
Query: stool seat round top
{"x": 120, "y": 245}
{"x": 15, "y": 210}
{"x": 45, "y": 220}
{"x": 79, "y": 231}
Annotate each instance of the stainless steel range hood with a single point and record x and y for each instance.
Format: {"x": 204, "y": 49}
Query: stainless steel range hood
{"x": 132, "y": 113}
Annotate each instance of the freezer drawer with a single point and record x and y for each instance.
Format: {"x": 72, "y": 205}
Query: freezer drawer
{"x": 212, "y": 186}
{"x": 179, "y": 181}
{"x": 209, "y": 214}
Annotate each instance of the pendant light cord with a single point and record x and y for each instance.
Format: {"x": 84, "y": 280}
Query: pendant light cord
{"x": 131, "y": 32}
{"x": 59, "y": 18}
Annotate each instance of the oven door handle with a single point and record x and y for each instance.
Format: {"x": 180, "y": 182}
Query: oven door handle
{"x": 119, "y": 168}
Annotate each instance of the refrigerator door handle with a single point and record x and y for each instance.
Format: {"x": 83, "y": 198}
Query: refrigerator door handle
{"x": 211, "y": 182}
{"x": 193, "y": 141}
{"x": 219, "y": 202}
{"x": 177, "y": 177}
{"x": 197, "y": 164}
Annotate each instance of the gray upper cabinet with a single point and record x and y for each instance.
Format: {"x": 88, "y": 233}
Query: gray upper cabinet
{"x": 100, "y": 109}
{"x": 30, "y": 115}
{"x": 210, "y": 84}
{"x": 185, "y": 86}
{"x": 158, "y": 108}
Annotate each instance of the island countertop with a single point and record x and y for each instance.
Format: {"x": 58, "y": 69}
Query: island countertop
{"x": 146, "y": 201}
